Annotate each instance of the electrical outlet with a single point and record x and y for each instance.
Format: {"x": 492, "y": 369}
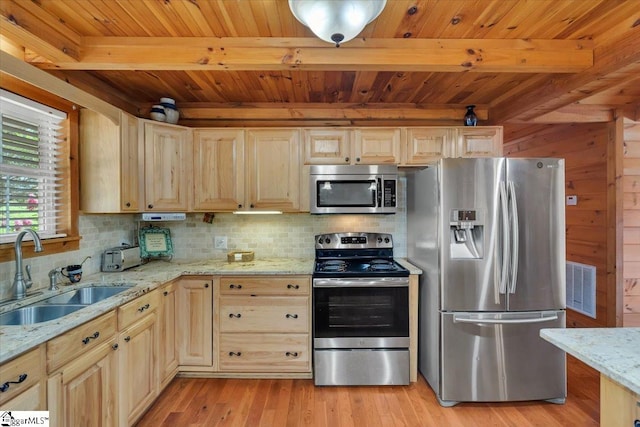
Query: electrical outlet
{"x": 220, "y": 242}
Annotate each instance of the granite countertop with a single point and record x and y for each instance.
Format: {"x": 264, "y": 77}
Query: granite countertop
{"x": 15, "y": 340}
{"x": 615, "y": 352}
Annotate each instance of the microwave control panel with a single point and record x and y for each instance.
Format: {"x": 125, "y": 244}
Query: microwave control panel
{"x": 389, "y": 193}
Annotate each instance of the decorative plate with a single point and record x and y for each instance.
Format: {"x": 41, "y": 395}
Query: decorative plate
{"x": 155, "y": 242}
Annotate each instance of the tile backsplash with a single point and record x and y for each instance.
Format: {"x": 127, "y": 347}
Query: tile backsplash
{"x": 286, "y": 235}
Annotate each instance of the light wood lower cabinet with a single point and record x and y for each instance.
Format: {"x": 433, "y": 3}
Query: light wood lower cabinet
{"x": 619, "y": 406}
{"x": 167, "y": 340}
{"x": 265, "y": 324}
{"x": 195, "y": 322}
{"x": 138, "y": 356}
{"x": 22, "y": 382}
{"x": 137, "y": 368}
{"x": 83, "y": 383}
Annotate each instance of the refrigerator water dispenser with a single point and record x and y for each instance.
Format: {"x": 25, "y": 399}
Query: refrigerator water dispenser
{"x": 466, "y": 234}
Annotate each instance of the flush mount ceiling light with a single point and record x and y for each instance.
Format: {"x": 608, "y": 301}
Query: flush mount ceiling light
{"x": 336, "y": 21}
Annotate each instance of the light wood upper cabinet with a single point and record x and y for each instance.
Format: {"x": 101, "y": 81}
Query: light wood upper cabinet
{"x": 273, "y": 169}
{"x": 168, "y": 167}
{"x": 111, "y": 163}
{"x": 326, "y": 146}
{"x": 195, "y": 321}
{"x": 426, "y": 145}
{"x": 218, "y": 169}
{"x": 479, "y": 141}
{"x": 376, "y": 146}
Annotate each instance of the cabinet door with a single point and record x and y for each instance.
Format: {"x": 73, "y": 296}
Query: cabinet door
{"x": 479, "y": 141}
{"x": 376, "y": 146}
{"x": 423, "y": 146}
{"x": 167, "y": 340}
{"x": 138, "y": 370}
{"x": 273, "y": 169}
{"x": 218, "y": 170}
{"x": 326, "y": 146}
{"x": 195, "y": 317}
{"x": 132, "y": 163}
{"x": 168, "y": 171}
{"x": 110, "y": 163}
{"x": 84, "y": 392}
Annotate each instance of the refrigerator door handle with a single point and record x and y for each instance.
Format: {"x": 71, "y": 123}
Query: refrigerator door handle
{"x": 466, "y": 318}
{"x": 515, "y": 239}
{"x": 505, "y": 252}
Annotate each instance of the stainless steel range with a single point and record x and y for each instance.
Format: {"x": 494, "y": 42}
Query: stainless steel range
{"x": 360, "y": 311}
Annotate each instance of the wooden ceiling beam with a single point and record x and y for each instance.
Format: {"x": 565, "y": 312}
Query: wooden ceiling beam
{"x": 614, "y": 61}
{"x": 319, "y": 111}
{"x": 26, "y": 24}
{"x": 249, "y": 53}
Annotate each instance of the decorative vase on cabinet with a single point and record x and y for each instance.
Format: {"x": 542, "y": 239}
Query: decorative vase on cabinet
{"x": 470, "y": 119}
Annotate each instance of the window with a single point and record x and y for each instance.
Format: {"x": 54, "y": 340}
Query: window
{"x": 30, "y": 167}
{"x": 38, "y": 168}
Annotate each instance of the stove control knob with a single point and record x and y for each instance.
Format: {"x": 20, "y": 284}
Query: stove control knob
{"x": 327, "y": 240}
{"x": 320, "y": 240}
{"x": 379, "y": 239}
{"x": 386, "y": 240}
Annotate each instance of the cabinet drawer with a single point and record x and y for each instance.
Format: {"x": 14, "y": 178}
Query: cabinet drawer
{"x": 137, "y": 309}
{"x": 265, "y": 285}
{"x": 265, "y": 352}
{"x": 264, "y": 314}
{"x": 21, "y": 373}
{"x": 79, "y": 340}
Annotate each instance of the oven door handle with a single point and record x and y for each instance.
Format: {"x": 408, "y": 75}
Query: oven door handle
{"x": 386, "y": 282}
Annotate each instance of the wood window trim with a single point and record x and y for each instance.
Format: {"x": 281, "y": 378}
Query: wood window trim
{"x": 72, "y": 240}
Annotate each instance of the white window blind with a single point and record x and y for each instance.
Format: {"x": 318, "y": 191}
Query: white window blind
{"x": 30, "y": 168}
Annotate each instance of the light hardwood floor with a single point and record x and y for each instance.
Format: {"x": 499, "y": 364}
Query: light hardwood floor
{"x": 242, "y": 402}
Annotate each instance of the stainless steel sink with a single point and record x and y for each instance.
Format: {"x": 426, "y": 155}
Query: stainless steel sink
{"x": 37, "y": 313}
{"x": 86, "y": 296}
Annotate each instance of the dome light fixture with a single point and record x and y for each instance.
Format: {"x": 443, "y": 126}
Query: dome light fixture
{"x": 336, "y": 21}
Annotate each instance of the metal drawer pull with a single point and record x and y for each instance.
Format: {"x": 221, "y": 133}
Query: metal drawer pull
{"x": 86, "y": 340}
{"x": 291, "y": 354}
{"x": 127, "y": 338}
{"x": 144, "y": 307}
{"x": 232, "y": 286}
{"x": 4, "y": 387}
{"x": 291, "y": 316}
{"x": 233, "y": 353}
{"x": 115, "y": 346}
{"x": 293, "y": 286}
{"x": 237, "y": 316}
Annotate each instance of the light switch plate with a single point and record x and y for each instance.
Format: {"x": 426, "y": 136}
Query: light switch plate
{"x": 572, "y": 200}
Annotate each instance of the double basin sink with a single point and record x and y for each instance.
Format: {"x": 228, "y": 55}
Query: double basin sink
{"x": 60, "y": 305}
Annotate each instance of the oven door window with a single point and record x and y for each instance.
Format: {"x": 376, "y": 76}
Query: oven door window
{"x": 346, "y": 193}
{"x": 361, "y": 312}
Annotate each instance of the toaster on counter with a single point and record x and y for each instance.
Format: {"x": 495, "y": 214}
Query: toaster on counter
{"x": 120, "y": 258}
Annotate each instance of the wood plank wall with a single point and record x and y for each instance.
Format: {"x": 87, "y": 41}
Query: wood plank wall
{"x": 631, "y": 221}
{"x": 587, "y": 165}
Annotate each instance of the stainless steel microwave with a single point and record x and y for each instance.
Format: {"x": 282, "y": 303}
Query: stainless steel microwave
{"x": 358, "y": 189}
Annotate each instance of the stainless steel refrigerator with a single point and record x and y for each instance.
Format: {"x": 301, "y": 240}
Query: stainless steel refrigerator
{"x": 489, "y": 235}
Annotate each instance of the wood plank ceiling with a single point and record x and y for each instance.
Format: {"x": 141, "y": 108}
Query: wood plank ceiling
{"x": 249, "y": 62}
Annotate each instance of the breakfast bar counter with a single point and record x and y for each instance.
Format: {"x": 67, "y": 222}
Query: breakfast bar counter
{"x": 615, "y": 353}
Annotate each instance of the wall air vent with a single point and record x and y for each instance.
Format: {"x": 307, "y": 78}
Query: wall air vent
{"x": 581, "y": 288}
